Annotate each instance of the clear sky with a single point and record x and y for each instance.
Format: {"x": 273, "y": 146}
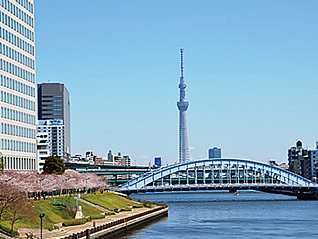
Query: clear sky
{"x": 250, "y": 67}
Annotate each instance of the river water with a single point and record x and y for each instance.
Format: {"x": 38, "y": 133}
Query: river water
{"x": 225, "y": 215}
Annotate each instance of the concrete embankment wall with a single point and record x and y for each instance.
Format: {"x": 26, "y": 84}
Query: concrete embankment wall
{"x": 110, "y": 229}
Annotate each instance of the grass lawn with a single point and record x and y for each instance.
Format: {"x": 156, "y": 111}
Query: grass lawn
{"x": 108, "y": 200}
{"x": 53, "y": 214}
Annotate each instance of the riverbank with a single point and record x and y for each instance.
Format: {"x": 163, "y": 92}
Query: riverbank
{"x": 107, "y": 227}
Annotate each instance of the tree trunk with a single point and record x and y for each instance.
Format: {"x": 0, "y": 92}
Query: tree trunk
{"x": 2, "y": 209}
{"x": 13, "y": 221}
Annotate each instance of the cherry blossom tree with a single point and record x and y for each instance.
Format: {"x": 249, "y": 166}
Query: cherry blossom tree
{"x": 7, "y": 196}
{"x": 19, "y": 210}
{"x": 70, "y": 180}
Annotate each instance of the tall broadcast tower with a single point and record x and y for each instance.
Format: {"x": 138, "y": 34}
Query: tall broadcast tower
{"x": 183, "y": 127}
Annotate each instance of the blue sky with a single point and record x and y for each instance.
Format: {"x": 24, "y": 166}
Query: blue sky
{"x": 250, "y": 67}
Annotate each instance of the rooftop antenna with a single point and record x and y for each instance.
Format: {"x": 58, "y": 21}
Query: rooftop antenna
{"x": 181, "y": 50}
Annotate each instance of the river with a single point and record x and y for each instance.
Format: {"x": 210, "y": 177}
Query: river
{"x": 225, "y": 215}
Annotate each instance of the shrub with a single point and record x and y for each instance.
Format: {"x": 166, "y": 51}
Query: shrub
{"x": 101, "y": 216}
{"x": 71, "y": 213}
{"x": 138, "y": 206}
{"x": 117, "y": 210}
{"x": 149, "y": 205}
{"x": 126, "y": 209}
{"x": 110, "y": 213}
{"x": 75, "y": 222}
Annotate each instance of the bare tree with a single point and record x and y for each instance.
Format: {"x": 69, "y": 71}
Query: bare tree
{"x": 7, "y": 196}
{"x": 19, "y": 210}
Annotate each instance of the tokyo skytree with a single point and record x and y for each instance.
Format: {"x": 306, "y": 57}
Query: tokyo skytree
{"x": 183, "y": 127}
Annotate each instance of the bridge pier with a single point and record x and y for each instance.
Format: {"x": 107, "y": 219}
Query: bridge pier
{"x": 308, "y": 195}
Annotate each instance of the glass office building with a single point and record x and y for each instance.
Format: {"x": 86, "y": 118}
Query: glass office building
{"x": 54, "y": 117}
{"x": 17, "y": 72}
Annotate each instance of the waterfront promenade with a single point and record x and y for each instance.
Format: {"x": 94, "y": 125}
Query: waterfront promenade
{"x": 68, "y": 231}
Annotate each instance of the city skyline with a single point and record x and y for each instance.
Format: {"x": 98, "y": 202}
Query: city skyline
{"x": 251, "y": 83}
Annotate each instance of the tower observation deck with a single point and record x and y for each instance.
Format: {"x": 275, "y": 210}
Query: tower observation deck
{"x": 183, "y": 127}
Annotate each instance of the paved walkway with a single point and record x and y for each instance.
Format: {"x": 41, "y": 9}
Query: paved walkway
{"x": 3, "y": 235}
{"x": 65, "y": 231}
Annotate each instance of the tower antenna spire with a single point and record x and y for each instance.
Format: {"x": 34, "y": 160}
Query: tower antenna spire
{"x": 181, "y": 50}
{"x": 183, "y": 105}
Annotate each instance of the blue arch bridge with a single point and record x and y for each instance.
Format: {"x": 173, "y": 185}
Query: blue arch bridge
{"x": 222, "y": 174}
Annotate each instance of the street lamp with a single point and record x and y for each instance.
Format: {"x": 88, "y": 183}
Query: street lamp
{"x": 41, "y": 191}
{"x": 41, "y": 216}
{"x": 66, "y": 186}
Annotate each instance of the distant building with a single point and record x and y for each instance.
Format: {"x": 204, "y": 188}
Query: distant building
{"x": 277, "y": 164}
{"x": 117, "y": 159}
{"x": 214, "y": 152}
{"x": 302, "y": 161}
{"x": 126, "y": 161}
{"x": 110, "y": 156}
{"x": 89, "y": 156}
{"x": 99, "y": 161}
{"x": 43, "y": 149}
{"x": 54, "y": 104}
{"x": 158, "y": 161}
{"x": 311, "y": 164}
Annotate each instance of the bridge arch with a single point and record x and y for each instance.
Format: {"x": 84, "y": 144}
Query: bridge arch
{"x": 244, "y": 171}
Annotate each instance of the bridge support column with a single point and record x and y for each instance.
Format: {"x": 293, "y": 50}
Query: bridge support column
{"x": 187, "y": 176}
{"x": 212, "y": 174}
{"x": 161, "y": 180}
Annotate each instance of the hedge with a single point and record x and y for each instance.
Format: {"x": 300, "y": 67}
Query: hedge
{"x": 150, "y": 205}
{"x": 110, "y": 213}
{"x": 138, "y": 206}
{"x": 126, "y": 209}
{"x": 8, "y": 231}
{"x": 75, "y": 222}
{"x": 101, "y": 216}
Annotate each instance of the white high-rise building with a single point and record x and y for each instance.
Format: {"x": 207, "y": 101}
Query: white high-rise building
{"x": 17, "y": 72}
{"x": 55, "y": 129}
{"x": 43, "y": 150}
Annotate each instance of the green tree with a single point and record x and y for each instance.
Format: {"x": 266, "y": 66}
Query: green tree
{"x": 54, "y": 165}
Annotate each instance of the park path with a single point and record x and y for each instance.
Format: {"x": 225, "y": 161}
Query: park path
{"x": 99, "y": 207}
{"x": 65, "y": 231}
{"x": 4, "y": 236}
